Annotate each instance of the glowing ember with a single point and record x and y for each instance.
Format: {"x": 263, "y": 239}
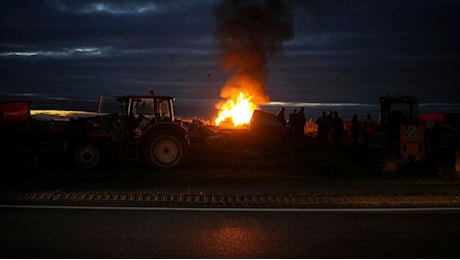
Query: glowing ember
{"x": 238, "y": 111}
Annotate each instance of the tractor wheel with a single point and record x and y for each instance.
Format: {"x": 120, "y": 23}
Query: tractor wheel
{"x": 86, "y": 155}
{"x": 381, "y": 159}
{"x": 376, "y": 159}
{"x": 165, "y": 149}
{"x": 445, "y": 164}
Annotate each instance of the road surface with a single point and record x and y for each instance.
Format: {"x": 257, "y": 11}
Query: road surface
{"x": 148, "y": 232}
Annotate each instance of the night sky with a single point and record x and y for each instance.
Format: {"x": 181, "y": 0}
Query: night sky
{"x": 69, "y": 52}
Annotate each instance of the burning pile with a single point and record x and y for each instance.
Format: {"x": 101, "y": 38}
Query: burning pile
{"x": 248, "y": 32}
{"x": 239, "y": 111}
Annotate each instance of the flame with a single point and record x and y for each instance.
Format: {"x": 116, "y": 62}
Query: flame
{"x": 238, "y": 110}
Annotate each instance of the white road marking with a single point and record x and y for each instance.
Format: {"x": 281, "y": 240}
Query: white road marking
{"x": 423, "y": 209}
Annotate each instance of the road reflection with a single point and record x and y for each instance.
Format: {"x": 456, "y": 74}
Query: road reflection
{"x": 236, "y": 239}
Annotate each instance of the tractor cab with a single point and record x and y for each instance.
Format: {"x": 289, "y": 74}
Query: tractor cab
{"x": 134, "y": 113}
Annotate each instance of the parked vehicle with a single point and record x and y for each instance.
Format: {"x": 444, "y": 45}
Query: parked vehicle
{"x": 405, "y": 136}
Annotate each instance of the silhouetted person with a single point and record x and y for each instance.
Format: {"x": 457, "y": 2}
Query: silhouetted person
{"x": 282, "y": 119}
{"x": 293, "y": 121}
{"x": 355, "y": 129}
{"x": 369, "y": 127}
{"x": 337, "y": 129}
{"x": 329, "y": 117}
{"x": 281, "y": 116}
{"x": 323, "y": 129}
{"x": 300, "y": 127}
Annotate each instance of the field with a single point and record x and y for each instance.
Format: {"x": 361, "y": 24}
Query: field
{"x": 232, "y": 156}
{"x": 235, "y": 156}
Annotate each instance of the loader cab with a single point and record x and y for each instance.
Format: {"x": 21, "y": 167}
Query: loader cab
{"x": 395, "y": 111}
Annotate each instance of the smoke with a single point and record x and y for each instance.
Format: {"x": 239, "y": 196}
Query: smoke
{"x": 249, "y": 33}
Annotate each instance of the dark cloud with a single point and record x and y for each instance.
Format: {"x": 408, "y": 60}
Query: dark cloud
{"x": 360, "y": 48}
{"x": 339, "y": 50}
{"x": 95, "y": 47}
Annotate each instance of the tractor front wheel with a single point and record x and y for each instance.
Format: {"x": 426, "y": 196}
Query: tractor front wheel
{"x": 165, "y": 149}
{"x": 86, "y": 156}
{"x": 376, "y": 160}
{"x": 445, "y": 164}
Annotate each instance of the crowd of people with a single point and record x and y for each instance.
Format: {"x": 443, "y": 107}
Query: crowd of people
{"x": 295, "y": 124}
{"x": 330, "y": 127}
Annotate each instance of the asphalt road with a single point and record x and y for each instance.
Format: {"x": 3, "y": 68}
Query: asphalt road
{"x": 90, "y": 232}
{"x": 55, "y": 214}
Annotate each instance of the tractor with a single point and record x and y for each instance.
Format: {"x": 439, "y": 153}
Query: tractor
{"x": 405, "y": 138}
{"x": 141, "y": 128}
